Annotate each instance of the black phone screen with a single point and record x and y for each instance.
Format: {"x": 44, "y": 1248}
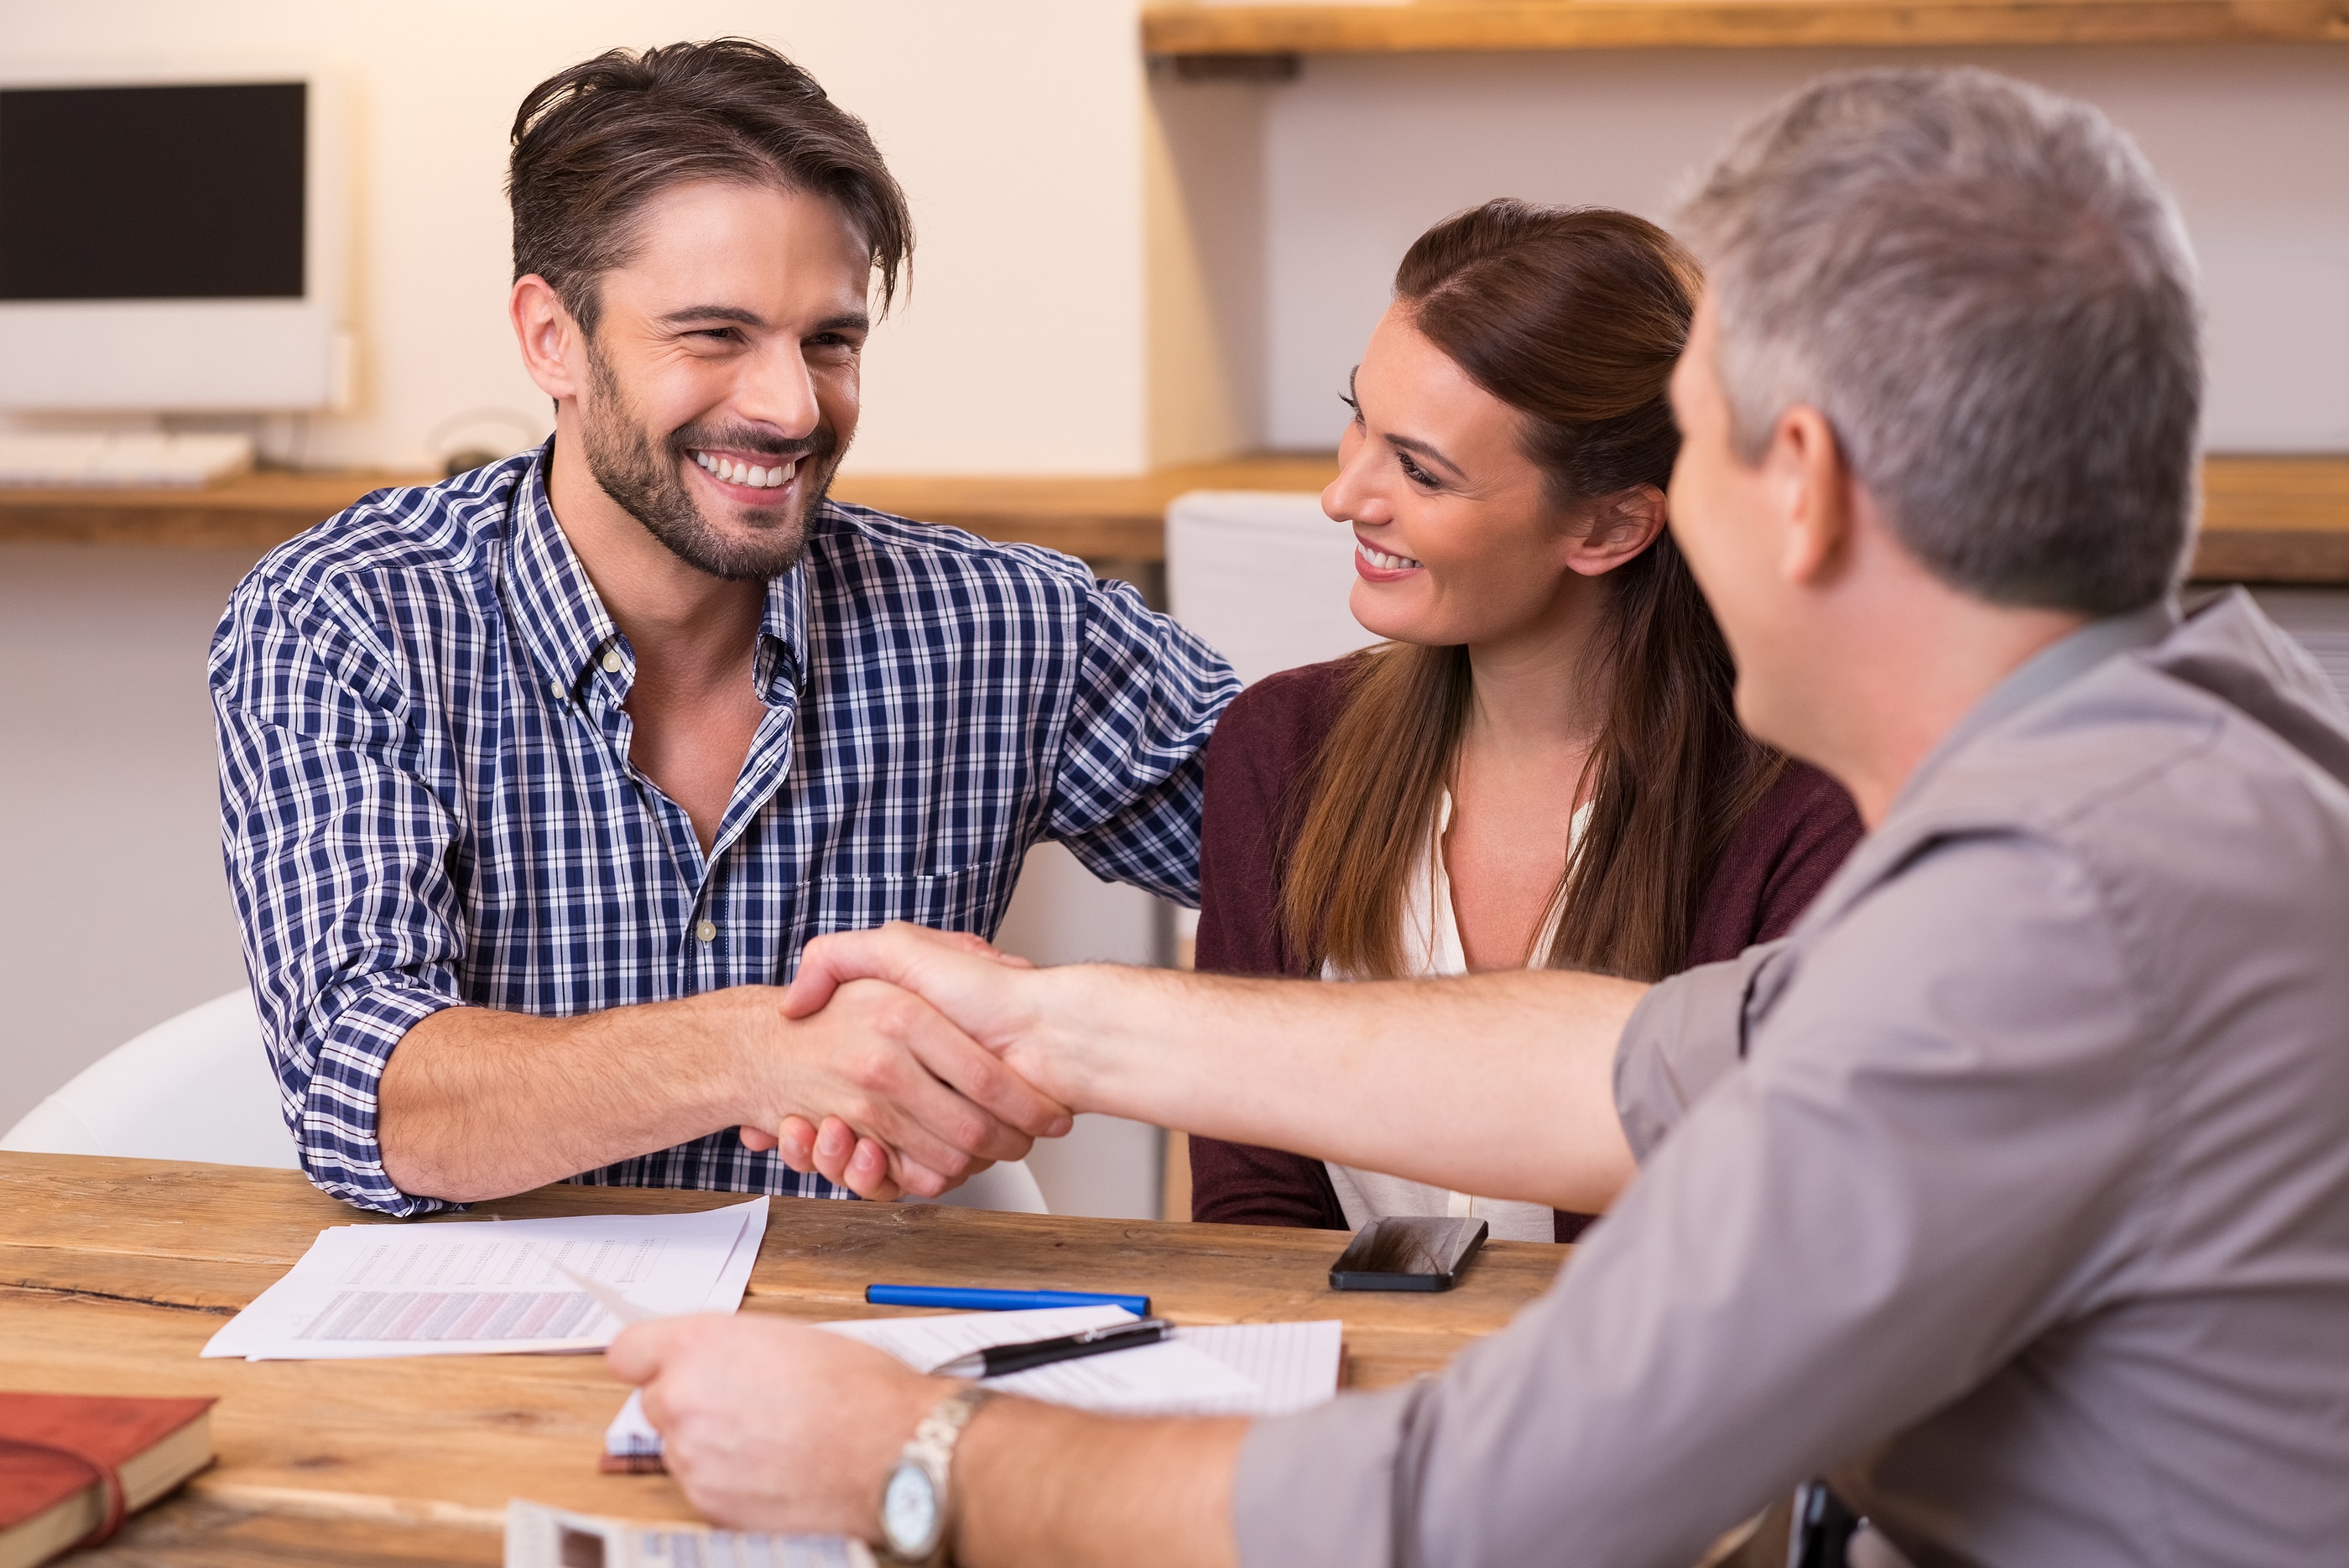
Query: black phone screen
{"x": 1411, "y": 1253}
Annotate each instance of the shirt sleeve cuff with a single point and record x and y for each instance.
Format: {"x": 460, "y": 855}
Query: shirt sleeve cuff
{"x": 1319, "y": 1487}
{"x": 337, "y": 1132}
{"x": 1685, "y": 1037}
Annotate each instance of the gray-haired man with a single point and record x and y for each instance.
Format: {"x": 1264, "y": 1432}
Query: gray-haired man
{"x": 2011, "y": 1190}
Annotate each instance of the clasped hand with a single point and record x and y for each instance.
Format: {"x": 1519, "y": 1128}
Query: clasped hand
{"x": 954, "y": 1001}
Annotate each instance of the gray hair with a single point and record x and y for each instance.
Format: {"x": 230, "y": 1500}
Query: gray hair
{"x": 1984, "y": 290}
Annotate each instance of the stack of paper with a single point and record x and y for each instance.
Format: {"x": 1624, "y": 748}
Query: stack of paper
{"x": 495, "y": 1286}
{"x": 1233, "y": 1369}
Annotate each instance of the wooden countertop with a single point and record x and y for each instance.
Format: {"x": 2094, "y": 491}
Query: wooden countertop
{"x": 2266, "y": 519}
{"x": 114, "y": 1273}
{"x": 1457, "y": 26}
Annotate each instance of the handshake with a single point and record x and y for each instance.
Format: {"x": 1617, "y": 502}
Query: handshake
{"x": 911, "y": 1059}
{"x": 940, "y": 1061}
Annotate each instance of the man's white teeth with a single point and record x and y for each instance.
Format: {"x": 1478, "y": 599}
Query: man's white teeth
{"x": 734, "y": 473}
{"x": 1383, "y": 561}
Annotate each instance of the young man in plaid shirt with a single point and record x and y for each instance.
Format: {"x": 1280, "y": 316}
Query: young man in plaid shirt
{"x": 535, "y": 782}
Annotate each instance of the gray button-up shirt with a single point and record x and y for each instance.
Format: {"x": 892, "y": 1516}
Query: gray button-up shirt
{"x": 2010, "y": 1189}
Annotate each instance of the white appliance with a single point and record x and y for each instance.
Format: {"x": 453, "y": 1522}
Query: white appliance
{"x": 1263, "y": 577}
{"x": 173, "y": 242}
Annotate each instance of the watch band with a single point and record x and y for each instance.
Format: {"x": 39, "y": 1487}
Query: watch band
{"x": 937, "y": 1434}
{"x": 932, "y": 1447}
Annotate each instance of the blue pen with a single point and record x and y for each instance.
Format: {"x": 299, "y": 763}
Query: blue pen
{"x": 995, "y": 1300}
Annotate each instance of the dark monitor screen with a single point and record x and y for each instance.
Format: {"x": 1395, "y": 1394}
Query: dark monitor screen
{"x": 151, "y": 193}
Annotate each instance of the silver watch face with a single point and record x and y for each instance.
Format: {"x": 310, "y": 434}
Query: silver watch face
{"x": 909, "y": 1512}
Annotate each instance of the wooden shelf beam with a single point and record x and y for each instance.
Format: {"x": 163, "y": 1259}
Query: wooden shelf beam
{"x": 2265, "y": 519}
{"x": 1427, "y": 26}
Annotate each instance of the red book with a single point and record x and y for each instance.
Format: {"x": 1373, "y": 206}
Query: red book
{"x": 60, "y": 1455}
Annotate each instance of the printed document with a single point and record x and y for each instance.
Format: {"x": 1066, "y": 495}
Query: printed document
{"x": 490, "y": 1287}
{"x": 1225, "y": 1369}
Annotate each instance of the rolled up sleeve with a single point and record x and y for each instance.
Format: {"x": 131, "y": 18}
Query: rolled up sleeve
{"x": 336, "y": 852}
{"x": 1815, "y": 1258}
{"x": 1130, "y": 780}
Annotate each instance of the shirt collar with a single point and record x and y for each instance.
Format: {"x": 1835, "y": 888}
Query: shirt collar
{"x": 2053, "y": 667}
{"x": 571, "y": 636}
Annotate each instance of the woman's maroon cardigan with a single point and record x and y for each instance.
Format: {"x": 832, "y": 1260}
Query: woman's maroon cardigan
{"x": 1782, "y": 854}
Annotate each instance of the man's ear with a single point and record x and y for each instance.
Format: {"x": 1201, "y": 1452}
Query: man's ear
{"x": 1626, "y": 522}
{"x": 1812, "y": 485}
{"x": 550, "y": 339}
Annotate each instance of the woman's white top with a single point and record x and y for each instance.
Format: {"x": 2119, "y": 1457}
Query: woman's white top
{"x": 1431, "y": 946}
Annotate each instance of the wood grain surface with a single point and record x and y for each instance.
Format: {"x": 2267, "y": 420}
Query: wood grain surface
{"x": 114, "y": 1273}
{"x": 1463, "y": 25}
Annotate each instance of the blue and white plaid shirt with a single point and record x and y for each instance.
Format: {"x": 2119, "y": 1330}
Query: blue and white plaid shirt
{"x": 426, "y": 798}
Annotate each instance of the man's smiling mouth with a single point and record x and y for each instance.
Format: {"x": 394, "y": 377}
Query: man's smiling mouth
{"x": 774, "y": 475}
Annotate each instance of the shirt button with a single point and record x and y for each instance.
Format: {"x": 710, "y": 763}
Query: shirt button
{"x": 707, "y": 931}
{"x": 612, "y": 660}
{"x": 555, "y": 687}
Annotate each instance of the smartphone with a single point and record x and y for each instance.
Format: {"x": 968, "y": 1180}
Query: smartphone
{"x": 1408, "y": 1255}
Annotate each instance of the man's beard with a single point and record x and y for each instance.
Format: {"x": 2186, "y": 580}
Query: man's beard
{"x": 647, "y": 482}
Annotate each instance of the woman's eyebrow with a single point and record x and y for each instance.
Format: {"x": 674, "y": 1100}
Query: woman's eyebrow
{"x": 1421, "y": 448}
{"x": 1411, "y": 445}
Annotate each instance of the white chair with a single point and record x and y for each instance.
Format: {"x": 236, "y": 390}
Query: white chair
{"x": 1263, "y": 577}
{"x": 1009, "y": 1189}
{"x": 199, "y": 1087}
{"x": 194, "y": 1088}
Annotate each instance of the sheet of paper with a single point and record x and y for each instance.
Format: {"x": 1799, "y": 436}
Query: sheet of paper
{"x": 489, "y": 1287}
{"x": 1275, "y": 1368}
{"x": 726, "y": 1293}
{"x": 1294, "y": 1366}
{"x": 542, "y": 1537}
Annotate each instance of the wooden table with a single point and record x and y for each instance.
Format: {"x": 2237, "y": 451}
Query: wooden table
{"x": 114, "y": 1273}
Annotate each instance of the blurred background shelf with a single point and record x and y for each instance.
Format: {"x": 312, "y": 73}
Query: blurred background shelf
{"x": 2266, "y": 519}
{"x": 1209, "y": 39}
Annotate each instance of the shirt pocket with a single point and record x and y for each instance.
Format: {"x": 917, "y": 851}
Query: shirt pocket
{"x": 968, "y": 901}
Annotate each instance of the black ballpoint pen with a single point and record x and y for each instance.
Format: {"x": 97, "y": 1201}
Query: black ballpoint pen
{"x": 999, "y": 1359}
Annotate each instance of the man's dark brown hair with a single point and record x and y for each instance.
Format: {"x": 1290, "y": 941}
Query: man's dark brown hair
{"x": 593, "y": 144}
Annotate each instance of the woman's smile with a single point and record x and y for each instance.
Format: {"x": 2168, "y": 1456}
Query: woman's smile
{"x": 1373, "y": 564}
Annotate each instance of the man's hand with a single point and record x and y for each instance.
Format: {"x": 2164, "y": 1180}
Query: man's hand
{"x": 772, "y": 1425}
{"x": 989, "y": 995}
{"x": 934, "y": 1107}
{"x": 905, "y": 955}
{"x": 477, "y": 1103}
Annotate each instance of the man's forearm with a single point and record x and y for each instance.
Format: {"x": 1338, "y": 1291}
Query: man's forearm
{"x": 1042, "y": 1486}
{"x": 477, "y": 1104}
{"x": 1501, "y": 1084}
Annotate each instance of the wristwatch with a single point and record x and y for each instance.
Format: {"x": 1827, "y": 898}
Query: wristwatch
{"x": 916, "y": 1507}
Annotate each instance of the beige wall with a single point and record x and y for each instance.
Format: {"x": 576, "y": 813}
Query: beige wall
{"x": 1361, "y": 154}
{"x": 1015, "y": 128}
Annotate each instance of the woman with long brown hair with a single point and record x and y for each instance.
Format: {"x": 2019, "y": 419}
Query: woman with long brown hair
{"x": 1541, "y": 764}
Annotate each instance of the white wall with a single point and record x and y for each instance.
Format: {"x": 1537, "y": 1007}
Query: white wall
{"x": 1016, "y": 128}
{"x": 1362, "y": 153}
{"x": 114, "y": 912}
